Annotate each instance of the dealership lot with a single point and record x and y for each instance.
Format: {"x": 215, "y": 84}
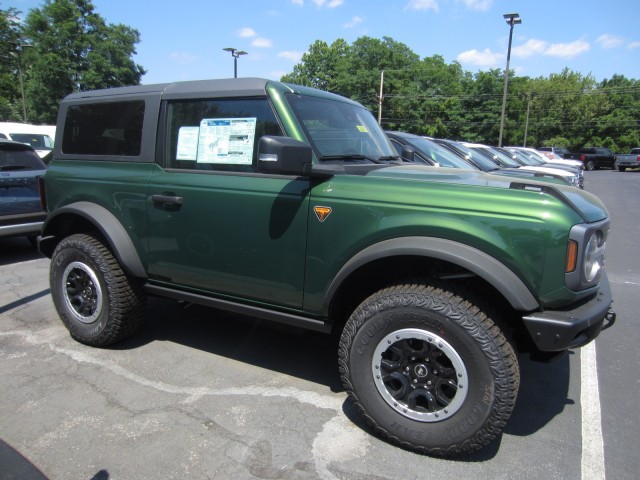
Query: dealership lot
{"x": 203, "y": 394}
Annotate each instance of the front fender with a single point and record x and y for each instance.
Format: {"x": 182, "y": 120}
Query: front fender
{"x": 486, "y": 267}
{"x": 61, "y": 223}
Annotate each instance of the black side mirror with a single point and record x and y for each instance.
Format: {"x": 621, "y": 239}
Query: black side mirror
{"x": 408, "y": 154}
{"x": 284, "y": 155}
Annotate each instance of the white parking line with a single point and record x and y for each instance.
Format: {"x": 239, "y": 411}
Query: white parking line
{"x": 592, "y": 444}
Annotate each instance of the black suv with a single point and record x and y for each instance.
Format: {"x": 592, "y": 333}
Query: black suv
{"x": 20, "y": 211}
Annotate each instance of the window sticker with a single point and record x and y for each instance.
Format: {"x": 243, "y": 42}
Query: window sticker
{"x": 226, "y": 140}
{"x": 361, "y": 128}
{"x": 187, "y": 143}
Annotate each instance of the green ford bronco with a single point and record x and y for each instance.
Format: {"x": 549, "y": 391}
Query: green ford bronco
{"x": 289, "y": 204}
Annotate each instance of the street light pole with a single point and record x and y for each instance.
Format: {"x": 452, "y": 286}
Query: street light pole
{"x": 235, "y": 53}
{"x": 512, "y": 19}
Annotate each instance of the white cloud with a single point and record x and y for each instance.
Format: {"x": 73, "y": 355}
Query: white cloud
{"x": 609, "y": 41}
{"x": 328, "y": 3}
{"x": 567, "y": 50}
{"x": 633, "y": 45}
{"x": 291, "y": 55}
{"x": 183, "y": 57}
{"x": 354, "y": 21}
{"x": 423, "y": 5}
{"x": 529, "y": 48}
{"x": 246, "y": 32}
{"x": 298, "y": 2}
{"x": 262, "y": 42}
{"x": 485, "y": 58}
{"x": 482, "y": 5}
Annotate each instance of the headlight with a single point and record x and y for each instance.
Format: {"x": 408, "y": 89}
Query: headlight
{"x": 585, "y": 255}
{"x": 593, "y": 260}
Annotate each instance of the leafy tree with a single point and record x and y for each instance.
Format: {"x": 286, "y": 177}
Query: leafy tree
{"x": 75, "y": 50}
{"x": 10, "y": 95}
{"x": 431, "y": 97}
{"x": 318, "y": 65}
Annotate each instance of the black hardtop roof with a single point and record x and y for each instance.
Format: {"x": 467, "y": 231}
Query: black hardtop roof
{"x": 224, "y": 87}
{"x": 193, "y": 88}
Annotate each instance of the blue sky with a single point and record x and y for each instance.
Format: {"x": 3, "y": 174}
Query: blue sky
{"x": 184, "y": 40}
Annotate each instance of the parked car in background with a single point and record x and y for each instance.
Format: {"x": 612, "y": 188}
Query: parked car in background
{"x": 508, "y": 161}
{"x": 630, "y": 160}
{"x": 20, "y": 211}
{"x": 594, "y": 157}
{"x": 535, "y": 159}
{"x": 554, "y": 159}
{"x": 554, "y": 153}
{"x": 423, "y": 150}
{"x": 483, "y": 162}
{"x": 32, "y": 135}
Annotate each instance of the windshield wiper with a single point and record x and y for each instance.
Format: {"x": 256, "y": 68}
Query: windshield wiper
{"x": 349, "y": 156}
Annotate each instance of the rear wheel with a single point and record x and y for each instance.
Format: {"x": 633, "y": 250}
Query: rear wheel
{"x": 428, "y": 369}
{"x": 621, "y": 169}
{"x": 591, "y": 165}
{"x": 96, "y": 299}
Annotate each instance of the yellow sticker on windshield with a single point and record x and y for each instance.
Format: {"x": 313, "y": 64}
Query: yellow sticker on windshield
{"x": 361, "y": 128}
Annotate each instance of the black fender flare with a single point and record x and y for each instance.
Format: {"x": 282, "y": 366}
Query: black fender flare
{"x": 106, "y": 223}
{"x": 485, "y": 266}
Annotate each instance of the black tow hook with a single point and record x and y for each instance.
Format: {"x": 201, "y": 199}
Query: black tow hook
{"x": 610, "y": 319}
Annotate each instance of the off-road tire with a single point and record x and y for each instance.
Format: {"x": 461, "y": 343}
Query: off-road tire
{"x": 392, "y": 347}
{"x": 98, "y": 302}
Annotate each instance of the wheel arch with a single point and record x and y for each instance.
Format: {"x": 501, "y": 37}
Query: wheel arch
{"x": 80, "y": 217}
{"x": 413, "y": 254}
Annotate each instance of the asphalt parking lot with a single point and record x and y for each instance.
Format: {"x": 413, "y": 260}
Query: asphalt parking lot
{"x": 204, "y": 394}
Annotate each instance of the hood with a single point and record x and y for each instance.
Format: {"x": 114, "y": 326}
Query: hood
{"x": 588, "y": 206}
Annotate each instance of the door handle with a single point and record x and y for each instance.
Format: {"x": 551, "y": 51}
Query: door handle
{"x": 167, "y": 200}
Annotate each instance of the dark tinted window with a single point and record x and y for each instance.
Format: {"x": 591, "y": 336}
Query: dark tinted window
{"x": 36, "y": 140}
{"x": 113, "y": 128}
{"x": 16, "y": 158}
{"x": 217, "y": 134}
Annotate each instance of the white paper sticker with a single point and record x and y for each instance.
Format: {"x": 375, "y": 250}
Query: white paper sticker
{"x": 226, "y": 140}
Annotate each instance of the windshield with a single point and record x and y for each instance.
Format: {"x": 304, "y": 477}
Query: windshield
{"x": 341, "y": 131}
{"x": 439, "y": 154}
{"x": 503, "y": 159}
{"x": 482, "y": 161}
{"x": 36, "y": 140}
{"x": 526, "y": 157}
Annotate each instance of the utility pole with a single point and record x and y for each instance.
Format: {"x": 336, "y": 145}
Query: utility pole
{"x": 528, "y": 96}
{"x": 380, "y": 98}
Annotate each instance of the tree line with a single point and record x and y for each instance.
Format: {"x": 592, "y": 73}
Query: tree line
{"x": 60, "y": 48}
{"x": 65, "y": 47}
{"x": 428, "y": 96}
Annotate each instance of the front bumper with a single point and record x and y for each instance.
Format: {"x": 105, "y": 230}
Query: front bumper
{"x": 557, "y": 330}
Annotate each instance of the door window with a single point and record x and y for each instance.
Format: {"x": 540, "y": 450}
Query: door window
{"x": 217, "y": 134}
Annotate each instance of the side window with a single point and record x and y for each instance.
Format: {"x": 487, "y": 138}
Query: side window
{"x": 218, "y": 134}
{"x": 396, "y": 145}
{"x": 108, "y": 128}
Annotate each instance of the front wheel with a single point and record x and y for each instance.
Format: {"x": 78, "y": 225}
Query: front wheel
{"x": 429, "y": 370}
{"x": 96, "y": 299}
